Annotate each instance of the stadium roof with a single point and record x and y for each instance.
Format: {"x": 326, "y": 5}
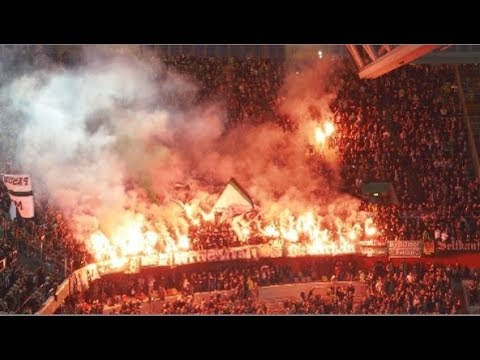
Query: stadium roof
{"x": 373, "y": 61}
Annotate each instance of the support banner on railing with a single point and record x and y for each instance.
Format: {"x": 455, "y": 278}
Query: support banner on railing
{"x": 405, "y": 249}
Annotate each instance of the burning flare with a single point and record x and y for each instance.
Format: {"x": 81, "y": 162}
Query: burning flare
{"x": 322, "y": 133}
{"x": 370, "y": 230}
{"x": 317, "y": 234}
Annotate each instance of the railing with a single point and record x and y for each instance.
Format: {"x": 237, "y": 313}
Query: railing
{"x": 23, "y": 305}
{"x": 471, "y": 308}
{"x": 466, "y": 117}
{"x": 8, "y": 260}
{"x": 66, "y": 288}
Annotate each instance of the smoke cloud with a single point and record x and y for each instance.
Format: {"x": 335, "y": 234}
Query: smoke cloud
{"x": 108, "y": 139}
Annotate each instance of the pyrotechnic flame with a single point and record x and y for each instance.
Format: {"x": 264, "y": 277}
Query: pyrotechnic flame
{"x": 100, "y": 245}
{"x": 116, "y": 262}
{"x": 322, "y": 133}
{"x": 352, "y": 235}
{"x": 319, "y": 135}
{"x": 208, "y": 217}
{"x": 317, "y": 235}
{"x": 370, "y": 230}
{"x": 329, "y": 128}
{"x": 270, "y": 231}
{"x": 241, "y": 228}
{"x": 183, "y": 242}
{"x": 181, "y": 140}
{"x": 290, "y": 234}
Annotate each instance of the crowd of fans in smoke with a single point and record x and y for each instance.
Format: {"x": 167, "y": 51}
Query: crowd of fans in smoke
{"x": 387, "y": 289}
{"x": 405, "y": 127}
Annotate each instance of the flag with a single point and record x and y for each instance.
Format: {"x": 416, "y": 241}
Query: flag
{"x": 234, "y": 200}
{"x": 12, "y": 211}
{"x": 20, "y": 190}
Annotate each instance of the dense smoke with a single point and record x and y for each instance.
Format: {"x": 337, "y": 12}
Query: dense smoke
{"x": 109, "y": 138}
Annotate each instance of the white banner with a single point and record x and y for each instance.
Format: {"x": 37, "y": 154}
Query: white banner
{"x": 405, "y": 249}
{"x": 20, "y": 191}
{"x": 133, "y": 264}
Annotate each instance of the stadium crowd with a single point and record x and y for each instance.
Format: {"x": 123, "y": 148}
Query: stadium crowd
{"x": 389, "y": 289}
{"x": 234, "y": 281}
{"x": 416, "y": 291}
{"x": 405, "y": 127}
{"x": 473, "y": 289}
{"x": 23, "y": 290}
{"x": 412, "y": 290}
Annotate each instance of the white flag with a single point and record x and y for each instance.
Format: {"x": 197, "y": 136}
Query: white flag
{"x": 20, "y": 190}
{"x": 12, "y": 211}
{"x": 234, "y": 200}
